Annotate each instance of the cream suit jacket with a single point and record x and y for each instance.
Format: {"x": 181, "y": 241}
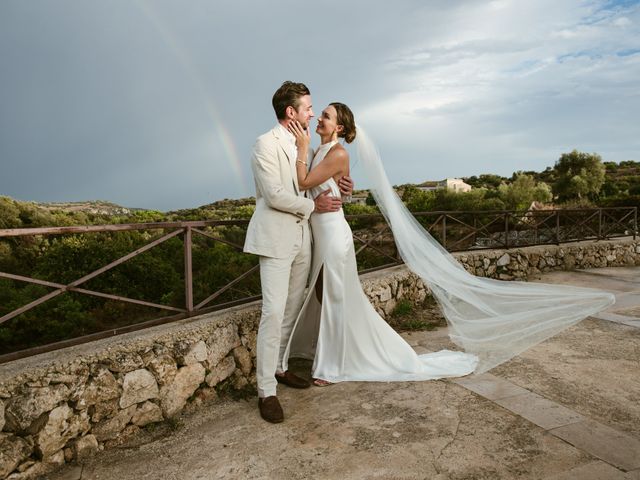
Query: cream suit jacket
{"x": 280, "y": 210}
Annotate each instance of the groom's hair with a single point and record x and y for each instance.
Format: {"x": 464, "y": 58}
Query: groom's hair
{"x": 288, "y": 95}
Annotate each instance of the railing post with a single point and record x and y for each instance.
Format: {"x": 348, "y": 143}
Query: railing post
{"x": 600, "y": 224}
{"x": 475, "y": 228}
{"x": 444, "y": 231}
{"x": 506, "y": 230}
{"x": 635, "y": 222}
{"x": 188, "y": 270}
{"x": 558, "y": 227}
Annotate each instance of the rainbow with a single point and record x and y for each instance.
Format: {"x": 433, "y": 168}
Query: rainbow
{"x": 187, "y": 63}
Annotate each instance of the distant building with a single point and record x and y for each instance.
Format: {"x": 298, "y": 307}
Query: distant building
{"x": 453, "y": 184}
{"x": 359, "y": 198}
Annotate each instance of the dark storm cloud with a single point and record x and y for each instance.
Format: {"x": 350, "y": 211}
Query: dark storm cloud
{"x": 157, "y": 104}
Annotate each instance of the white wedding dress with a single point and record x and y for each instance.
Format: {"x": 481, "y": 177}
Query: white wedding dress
{"x": 344, "y": 335}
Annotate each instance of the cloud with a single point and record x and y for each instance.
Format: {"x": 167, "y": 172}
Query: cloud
{"x": 504, "y": 91}
{"x": 157, "y": 104}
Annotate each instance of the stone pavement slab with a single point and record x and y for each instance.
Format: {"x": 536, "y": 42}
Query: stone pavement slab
{"x": 625, "y": 301}
{"x": 632, "y": 311}
{"x": 612, "y": 446}
{"x": 611, "y": 281}
{"x": 617, "y": 318}
{"x": 591, "y": 471}
{"x": 544, "y": 413}
{"x": 490, "y": 386}
{"x": 591, "y": 368}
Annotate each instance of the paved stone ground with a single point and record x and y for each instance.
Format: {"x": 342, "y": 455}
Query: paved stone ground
{"x": 566, "y": 409}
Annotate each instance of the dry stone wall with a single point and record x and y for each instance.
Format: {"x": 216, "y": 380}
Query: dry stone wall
{"x": 66, "y": 405}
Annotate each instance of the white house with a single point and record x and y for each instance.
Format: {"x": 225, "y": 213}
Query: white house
{"x": 359, "y": 198}
{"x": 453, "y": 184}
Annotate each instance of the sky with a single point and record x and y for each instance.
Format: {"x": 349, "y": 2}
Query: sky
{"x": 157, "y": 104}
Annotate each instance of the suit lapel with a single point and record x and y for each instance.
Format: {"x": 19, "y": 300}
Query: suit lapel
{"x": 282, "y": 143}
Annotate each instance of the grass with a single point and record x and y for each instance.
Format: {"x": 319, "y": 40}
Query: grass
{"x": 409, "y": 316}
{"x": 418, "y": 325}
{"x": 174, "y": 423}
{"x": 403, "y": 308}
{"x": 226, "y": 389}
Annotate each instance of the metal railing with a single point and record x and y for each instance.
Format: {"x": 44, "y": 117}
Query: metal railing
{"x": 461, "y": 230}
{"x": 514, "y": 228}
{"x": 187, "y": 229}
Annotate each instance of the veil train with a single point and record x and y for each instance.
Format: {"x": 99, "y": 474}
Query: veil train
{"x": 495, "y": 320}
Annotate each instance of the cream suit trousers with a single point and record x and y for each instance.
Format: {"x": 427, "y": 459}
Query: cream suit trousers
{"x": 283, "y": 284}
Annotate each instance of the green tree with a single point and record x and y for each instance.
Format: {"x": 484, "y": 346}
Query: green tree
{"x": 578, "y": 175}
{"x": 472, "y": 200}
{"x": 547, "y": 176}
{"x": 486, "y": 180}
{"x": 9, "y": 213}
{"x": 519, "y": 194}
{"x": 610, "y": 188}
{"x": 629, "y": 163}
{"x": 417, "y": 200}
{"x": 371, "y": 201}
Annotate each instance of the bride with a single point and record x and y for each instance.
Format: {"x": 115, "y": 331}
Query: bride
{"x": 344, "y": 335}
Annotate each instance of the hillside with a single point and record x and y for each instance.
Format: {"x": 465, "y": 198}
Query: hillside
{"x": 96, "y": 207}
{"x": 621, "y": 187}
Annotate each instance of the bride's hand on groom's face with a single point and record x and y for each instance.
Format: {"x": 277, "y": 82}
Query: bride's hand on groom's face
{"x": 302, "y": 135}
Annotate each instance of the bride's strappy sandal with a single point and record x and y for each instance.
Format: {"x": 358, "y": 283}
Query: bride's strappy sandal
{"x": 318, "y": 382}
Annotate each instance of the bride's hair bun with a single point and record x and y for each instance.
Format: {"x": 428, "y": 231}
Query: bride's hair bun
{"x": 345, "y": 118}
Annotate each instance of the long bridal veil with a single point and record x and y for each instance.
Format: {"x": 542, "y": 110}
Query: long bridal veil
{"x": 495, "y": 320}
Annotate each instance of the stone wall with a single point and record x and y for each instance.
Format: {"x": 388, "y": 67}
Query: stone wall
{"x": 520, "y": 263}
{"x": 61, "y": 406}
{"x": 65, "y": 405}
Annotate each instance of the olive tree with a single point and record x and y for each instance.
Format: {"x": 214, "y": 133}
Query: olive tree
{"x": 578, "y": 175}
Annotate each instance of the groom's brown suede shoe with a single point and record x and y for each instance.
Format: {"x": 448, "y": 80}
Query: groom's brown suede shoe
{"x": 292, "y": 380}
{"x": 270, "y": 409}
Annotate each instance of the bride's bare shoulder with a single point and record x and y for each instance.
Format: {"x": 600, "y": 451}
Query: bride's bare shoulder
{"x": 339, "y": 158}
{"x": 338, "y": 153}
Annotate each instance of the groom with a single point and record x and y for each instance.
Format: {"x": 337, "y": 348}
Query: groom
{"x": 279, "y": 233}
